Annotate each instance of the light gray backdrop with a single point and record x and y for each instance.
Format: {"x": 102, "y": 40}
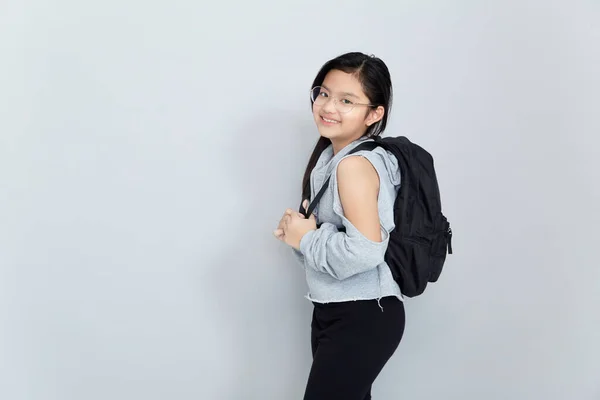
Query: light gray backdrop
{"x": 148, "y": 149}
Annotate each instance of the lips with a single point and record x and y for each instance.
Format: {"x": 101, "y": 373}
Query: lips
{"x": 329, "y": 121}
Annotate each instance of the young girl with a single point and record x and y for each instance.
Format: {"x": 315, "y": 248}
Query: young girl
{"x": 358, "y": 315}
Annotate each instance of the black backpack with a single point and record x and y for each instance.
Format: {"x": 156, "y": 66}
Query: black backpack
{"x": 422, "y": 237}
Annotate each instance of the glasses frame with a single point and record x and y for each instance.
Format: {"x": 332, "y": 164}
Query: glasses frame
{"x": 336, "y": 102}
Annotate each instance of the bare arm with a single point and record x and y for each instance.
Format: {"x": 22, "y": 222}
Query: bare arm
{"x": 358, "y": 186}
{"x": 362, "y": 247}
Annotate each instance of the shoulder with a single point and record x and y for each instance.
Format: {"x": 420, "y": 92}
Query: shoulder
{"x": 357, "y": 181}
{"x": 384, "y": 163}
{"x": 358, "y": 188}
{"x": 358, "y": 170}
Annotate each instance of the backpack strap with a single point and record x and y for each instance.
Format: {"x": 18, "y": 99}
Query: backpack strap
{"x": 313, "y": 204}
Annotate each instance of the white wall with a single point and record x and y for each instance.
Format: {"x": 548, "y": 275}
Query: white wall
{"x": 147, "y": 150}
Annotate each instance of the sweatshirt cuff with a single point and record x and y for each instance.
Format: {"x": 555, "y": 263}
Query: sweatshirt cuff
{"x": 305, "y": 241}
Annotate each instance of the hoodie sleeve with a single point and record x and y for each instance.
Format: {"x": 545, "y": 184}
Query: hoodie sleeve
{"x": 344, "y": 254}
{"x": 299, "y": 256}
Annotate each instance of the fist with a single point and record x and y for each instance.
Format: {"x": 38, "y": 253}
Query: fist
{"x": 293, "y": 226}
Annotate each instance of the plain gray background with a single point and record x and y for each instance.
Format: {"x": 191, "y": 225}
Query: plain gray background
{"x": 148, "y": 149}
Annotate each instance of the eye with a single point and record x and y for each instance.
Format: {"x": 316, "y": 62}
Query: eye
{"x": 323, "y": 94}
{"x": 346, "y": 101}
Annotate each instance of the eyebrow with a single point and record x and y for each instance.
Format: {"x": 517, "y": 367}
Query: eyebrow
{"x": 346, "y": 93}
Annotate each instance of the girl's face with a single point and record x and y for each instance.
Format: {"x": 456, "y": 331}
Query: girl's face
{"x": 340, "y": 109}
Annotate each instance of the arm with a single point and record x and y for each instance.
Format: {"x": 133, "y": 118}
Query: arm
{"x": 298, "y": 254}
{"x": 362, "y": 247}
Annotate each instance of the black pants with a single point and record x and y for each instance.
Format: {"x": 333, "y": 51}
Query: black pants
{"x": 351, "y": 342}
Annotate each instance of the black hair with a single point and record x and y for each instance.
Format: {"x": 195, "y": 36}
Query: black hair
{"x": 376, "y": 82}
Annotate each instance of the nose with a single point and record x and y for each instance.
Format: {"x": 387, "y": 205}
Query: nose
{"x": 329, "y": 106}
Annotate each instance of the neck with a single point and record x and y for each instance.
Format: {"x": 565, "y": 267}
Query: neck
{"x": 339, "y": 144}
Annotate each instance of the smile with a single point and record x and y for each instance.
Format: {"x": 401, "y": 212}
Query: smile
{"x": 330, "y": 121}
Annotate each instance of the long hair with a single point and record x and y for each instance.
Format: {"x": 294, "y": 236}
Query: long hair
{"x": 376, "y": 82}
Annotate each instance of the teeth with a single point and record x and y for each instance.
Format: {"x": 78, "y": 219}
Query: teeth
{"x": 329, "y": 120}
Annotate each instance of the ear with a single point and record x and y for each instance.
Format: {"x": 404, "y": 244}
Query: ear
{"x": 375, "y": 116}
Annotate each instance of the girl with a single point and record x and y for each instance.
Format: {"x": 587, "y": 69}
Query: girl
{"x": 358, "y": 315}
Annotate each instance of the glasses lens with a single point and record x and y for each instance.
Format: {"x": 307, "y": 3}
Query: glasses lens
{"x": 344, "y": 107}
{"x": 320, "y": 96}
{"x": 316, "y": 95}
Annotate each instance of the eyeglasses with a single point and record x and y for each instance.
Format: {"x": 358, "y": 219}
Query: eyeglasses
{"x": 320, "y": 96}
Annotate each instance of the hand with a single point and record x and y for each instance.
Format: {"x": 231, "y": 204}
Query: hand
{"x": 278, "y": 233}
{"x": 293, "y": 226}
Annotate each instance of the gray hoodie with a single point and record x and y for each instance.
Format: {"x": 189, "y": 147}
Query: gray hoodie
{"x": 343, "y": 266}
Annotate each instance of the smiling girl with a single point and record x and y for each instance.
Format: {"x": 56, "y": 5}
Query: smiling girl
{"x": 358, "y": 315}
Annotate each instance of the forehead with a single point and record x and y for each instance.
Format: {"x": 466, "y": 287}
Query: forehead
{"x": 343, "y": 83}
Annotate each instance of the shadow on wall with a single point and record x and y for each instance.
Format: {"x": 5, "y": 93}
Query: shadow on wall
{"x": 262, "y": 296}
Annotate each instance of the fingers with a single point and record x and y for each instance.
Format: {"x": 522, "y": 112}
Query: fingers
{"x": 278, "y": 233}
{"x": 286, "y": 219}
{"x": 282, "y": 226}
{"x": 282, "y": 221}
{"x": 294, "y": 213}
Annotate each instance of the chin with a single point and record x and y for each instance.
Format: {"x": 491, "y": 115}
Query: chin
{"x": 328, "y": 133}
